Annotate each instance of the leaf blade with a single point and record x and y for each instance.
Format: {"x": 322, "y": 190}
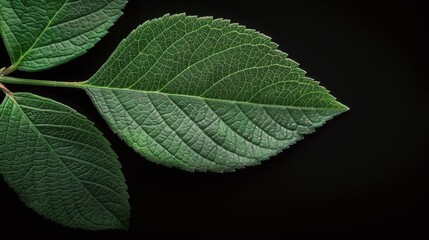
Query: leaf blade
{"x": 64, "y": 169}
{"x": 202, "y": 70}
{"x": 39, "y": 36}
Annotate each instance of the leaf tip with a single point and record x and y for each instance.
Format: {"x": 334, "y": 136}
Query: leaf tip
{"x": 342, "y": 108}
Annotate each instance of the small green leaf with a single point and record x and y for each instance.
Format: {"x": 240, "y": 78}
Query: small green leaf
{"x": 206, "y": 95}
{"x": 42, "y": 34}
{"x": 60, "y": 164}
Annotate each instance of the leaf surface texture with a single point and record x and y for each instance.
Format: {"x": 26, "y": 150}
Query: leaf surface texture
{"x": 41, "y": 34}
{"x": 203, "y": 94}
{"x": 60, "y": 164}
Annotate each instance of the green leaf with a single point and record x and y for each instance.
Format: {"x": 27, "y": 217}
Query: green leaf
{"x": 41, "y": 34}
{"x": 60, "y": 164}
{"x": 206, "y": 95}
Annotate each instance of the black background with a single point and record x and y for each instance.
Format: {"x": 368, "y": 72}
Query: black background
{"x": 364, "y": 172}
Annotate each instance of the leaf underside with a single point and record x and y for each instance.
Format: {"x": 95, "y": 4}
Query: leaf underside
{"x": 60, "y": 164}
{"x": 42, "y": 34}
{"x": 206, "y": 95}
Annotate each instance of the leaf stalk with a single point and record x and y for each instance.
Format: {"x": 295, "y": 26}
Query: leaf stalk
{"x": 34, "y": 82}
{"x": 6, "y": 90}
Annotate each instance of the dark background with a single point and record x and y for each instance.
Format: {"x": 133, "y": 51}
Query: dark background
{"x": 364, "y": 172}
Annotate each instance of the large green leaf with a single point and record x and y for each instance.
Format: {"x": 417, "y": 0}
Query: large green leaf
{"x": 206, "y": 95}
{"x": 60, "y": 164}
{"x": 41, "y": 34}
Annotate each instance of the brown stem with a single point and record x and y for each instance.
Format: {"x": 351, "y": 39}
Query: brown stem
{"x": 6, "y": 90}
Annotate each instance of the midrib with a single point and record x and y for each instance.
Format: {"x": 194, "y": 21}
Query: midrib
{"x": 339, "y": 109}
{"x": 40, "y": 35}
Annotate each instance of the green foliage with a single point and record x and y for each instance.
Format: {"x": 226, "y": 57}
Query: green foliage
{"x": 199, "y": 94}
{"x": 43, "y": 34}
{"x": 206, "y": 95}
{"x": 60, "y": 165}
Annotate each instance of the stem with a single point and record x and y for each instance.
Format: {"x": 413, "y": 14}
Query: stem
{"x": 46, "y": 83}
{"x": 5, "y": 90}
{"x": 8, "y": 70}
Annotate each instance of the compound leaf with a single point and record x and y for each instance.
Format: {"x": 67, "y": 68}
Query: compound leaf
{"x": 41, "y": 34}
{"x": 203, "y": 94}
{"x": 60, "y": 164}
